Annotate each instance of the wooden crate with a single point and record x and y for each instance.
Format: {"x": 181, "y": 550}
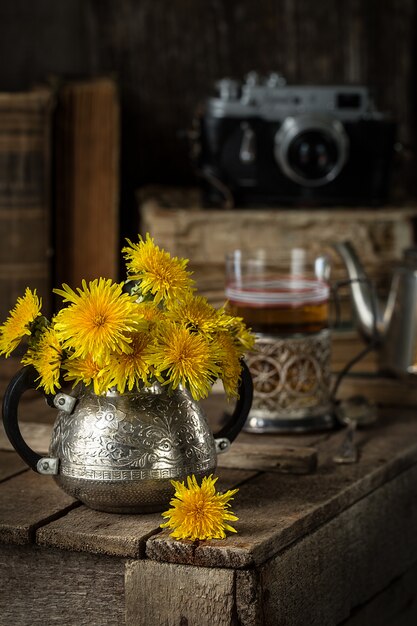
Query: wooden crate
{"x": 175, "y": 218}
{"x": 328, "y": 545}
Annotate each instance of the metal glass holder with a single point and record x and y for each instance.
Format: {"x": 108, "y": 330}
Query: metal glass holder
{"x": 292, "y": 383}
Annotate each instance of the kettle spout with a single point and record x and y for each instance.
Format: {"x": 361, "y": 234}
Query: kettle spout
{"x": 365, "y": 305}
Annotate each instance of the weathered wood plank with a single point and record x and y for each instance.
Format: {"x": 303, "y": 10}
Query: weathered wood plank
{"x": 343, "y": 564}
{"x": 164, "y": 593}
{"x": 231, "y": 478}
{"x": 86, "y": 530}
{"x": 36, "y": 435}
{"x": 395, "y": 605}
{"x": 205, "y": 236}
{"x": 53, "y": 587}
{"x": 260, "y": 456}
{"x": 318, "y": 581}
{"x": 100, "y": 533}
{"x": 10, "y": 465}
{"x": 385, "y": 391}
{"x": 248, "y": 595}
{"x": 28, "y": 501}
{"x": 276, "y": 509}
{"x": 351, "y": 41}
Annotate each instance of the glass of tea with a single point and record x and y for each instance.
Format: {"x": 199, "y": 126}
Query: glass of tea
{"x": 284, "y": 299}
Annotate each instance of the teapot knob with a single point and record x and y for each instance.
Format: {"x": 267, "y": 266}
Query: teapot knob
{"x": 222, "y": 445}
{"x": 64, "y": 402}
{"x": 47, "y": 465}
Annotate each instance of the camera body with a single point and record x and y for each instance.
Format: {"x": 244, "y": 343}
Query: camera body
{"x": 266, "y": 143}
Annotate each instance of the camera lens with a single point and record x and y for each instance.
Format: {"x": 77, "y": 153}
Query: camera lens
{"x": 312, "y": 154}
{"x": 311, "y": 150}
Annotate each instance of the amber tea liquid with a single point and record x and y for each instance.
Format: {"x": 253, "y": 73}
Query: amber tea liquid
{"x": 281, "y": 305}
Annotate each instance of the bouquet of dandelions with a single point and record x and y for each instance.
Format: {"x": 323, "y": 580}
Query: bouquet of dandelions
{"x": 126, "y": 336}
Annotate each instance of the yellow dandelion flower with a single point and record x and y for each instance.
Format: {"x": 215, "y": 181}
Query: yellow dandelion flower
{"x": 229, "y": 364}
{"x": 151, "y": 312}
{"x": 198, "y": 512}
{"x": 184, "y": 358}
{"x": 244, "y": 338}
{"x": 17, "y": 325}
{"x": 46, "y": 357}
{"x": 224, "y": 319}
{"x": 161, "y": 275}
{"x": 195, "y": 313}
{"x": 130, "y": 370}
{"x": 98, "y": 320}
{"x": 88, "y": 371}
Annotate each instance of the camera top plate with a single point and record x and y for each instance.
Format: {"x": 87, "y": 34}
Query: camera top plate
{"x": 272, "y": 99}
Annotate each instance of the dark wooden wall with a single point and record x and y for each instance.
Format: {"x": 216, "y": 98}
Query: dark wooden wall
{"x": 167, "y": 54}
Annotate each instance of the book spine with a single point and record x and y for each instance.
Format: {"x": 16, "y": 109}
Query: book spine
{"x": 25, "y": 179}
{"x": 87, "y": 181}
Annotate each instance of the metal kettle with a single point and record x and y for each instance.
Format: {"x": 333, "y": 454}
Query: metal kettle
{"x": 119, "y": 452}
{"x": 392, "y": 327}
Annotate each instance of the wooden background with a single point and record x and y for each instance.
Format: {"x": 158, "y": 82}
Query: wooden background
{"x": 167, "y": 54}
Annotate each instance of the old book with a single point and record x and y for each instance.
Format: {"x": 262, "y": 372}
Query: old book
{"x": 87, "y": 181}
{"x": 25, "y": 179}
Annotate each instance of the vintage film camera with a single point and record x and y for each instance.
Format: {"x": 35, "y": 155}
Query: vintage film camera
{"x": 266, "y": 143}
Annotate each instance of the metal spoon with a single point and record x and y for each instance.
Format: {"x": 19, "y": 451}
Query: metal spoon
{"x": 353, "y": 412}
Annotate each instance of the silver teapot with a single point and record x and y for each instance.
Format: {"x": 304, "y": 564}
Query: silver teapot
{"x": 390, "y": 326}
{"x": 119, "y": 452}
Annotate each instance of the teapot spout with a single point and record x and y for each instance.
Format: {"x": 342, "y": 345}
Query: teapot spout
{"x": 365, "y": 304}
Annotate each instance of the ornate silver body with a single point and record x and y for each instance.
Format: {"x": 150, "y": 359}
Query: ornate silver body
{"x": 118, "y": 453}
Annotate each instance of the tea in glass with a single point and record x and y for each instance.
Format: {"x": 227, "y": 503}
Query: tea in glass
{"x": 284, "y": 299}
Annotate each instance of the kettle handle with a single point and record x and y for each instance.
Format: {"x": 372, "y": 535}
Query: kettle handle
{"x": 24, "y": 380}
{"x": 232, "y": 428}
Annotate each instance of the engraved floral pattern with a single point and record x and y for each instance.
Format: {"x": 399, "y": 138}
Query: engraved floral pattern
{"x": 143, "y": 431}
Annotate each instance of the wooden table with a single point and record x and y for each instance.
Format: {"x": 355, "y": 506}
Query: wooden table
{"x": 317, "y": 543}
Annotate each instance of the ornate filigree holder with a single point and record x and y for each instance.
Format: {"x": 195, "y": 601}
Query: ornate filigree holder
{"x": 291, "y": 378}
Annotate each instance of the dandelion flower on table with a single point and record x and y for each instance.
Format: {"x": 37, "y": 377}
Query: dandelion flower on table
{"x": 98, "y": 320}
{"x": 160, "y": 275}
{"x": 184, "y": 358}
{"x": 198, "y": 512}
{"x": 18, "y": 324}
{"x": 46, "y": 357}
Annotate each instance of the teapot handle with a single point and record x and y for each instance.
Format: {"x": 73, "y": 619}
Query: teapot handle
{"x": 230, "y": 431}
{"x": 24, "y": 380}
